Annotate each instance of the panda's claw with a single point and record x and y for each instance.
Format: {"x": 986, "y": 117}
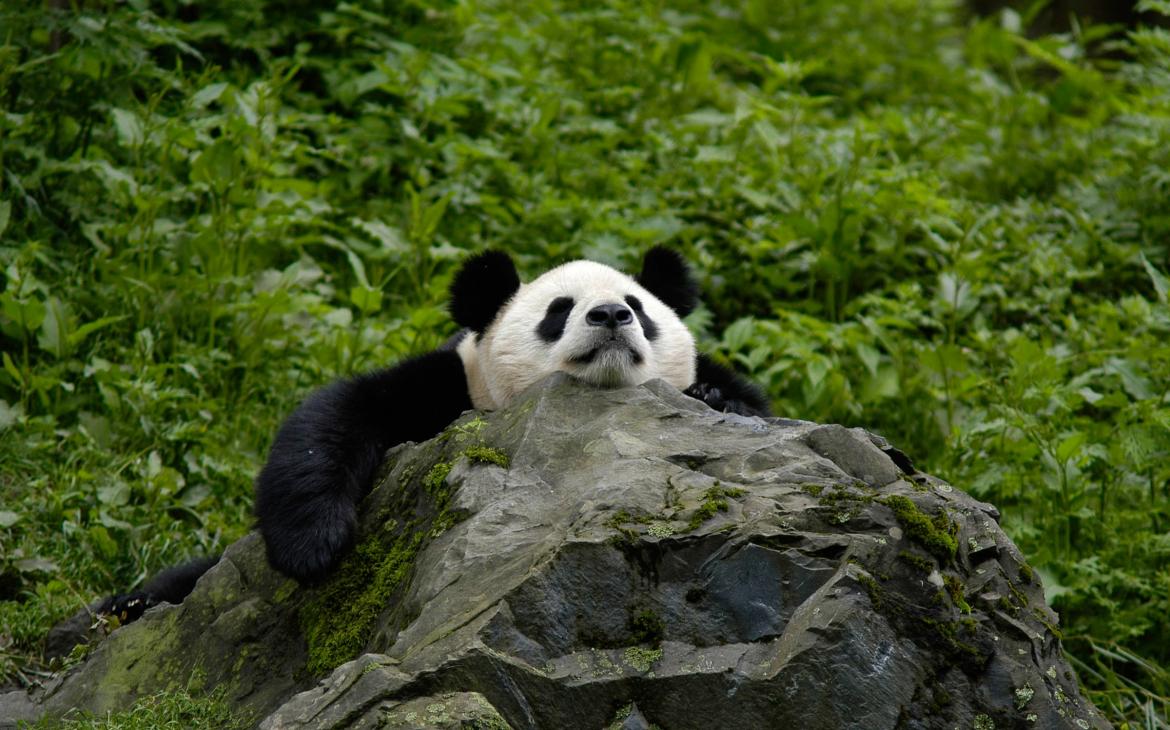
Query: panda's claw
{"x": 126, "y": 607}
{"x": 709, "y": 394}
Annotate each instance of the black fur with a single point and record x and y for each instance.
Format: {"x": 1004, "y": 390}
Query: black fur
{"x": 725, "y": 390}
{"x": 552, "y": 326}
{"x": 170, "y": 586}
{"x": 325, "y": 455}
{"x": 666, "y": 275}
{"x": 648, "y": 327}
{"x": 482, "y": 287}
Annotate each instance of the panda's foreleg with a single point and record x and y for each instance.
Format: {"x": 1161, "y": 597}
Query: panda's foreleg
{"x": 170, "y": 586}
{"x": 326, "y": 454}
{"x": 726, "y": 390}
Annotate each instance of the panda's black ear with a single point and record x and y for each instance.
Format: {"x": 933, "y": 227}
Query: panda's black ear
{"x": 666, "y": 275}
{"x": 483, "y": 285}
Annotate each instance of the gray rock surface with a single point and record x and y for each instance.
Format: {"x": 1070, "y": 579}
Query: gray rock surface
{"x": 634, "y": 559}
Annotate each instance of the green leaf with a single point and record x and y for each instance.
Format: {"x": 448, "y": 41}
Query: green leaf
{"x": 359, "y": 268}
{"x": 10, "y": 367}
{"x": 8, "y": 519}
{"x": 36, "y": 565}
{"x": 737, "y": 335}
{"x": 1135, "y": 383}
{"x": 114, "y": 493}
{"x": 387, "y": 236}
{"x": 869, "y": 357}
{"x": 208, "y": 94}
{"x": 5, "y": 215}
{"x": 1154, "y": 6}
{"x": 53, "y": 337}
{"x": 367, "y": 299}
{"x": 8, "y": 414}
{"x": 218, "y": 165}
{"x": 1161, "y": 283}
{"x": 129, "y": 127}
{"x": 945, "y": 359}
{"x": 715, "y": 153}
{"x": 954, "y": 294}
{"x": 77, "y": 336}
{"x": 816, "y": 369}
{"x": 28, "y": 313}
{"x": 1070, "y": 446}
{"x": 101, "y": 539}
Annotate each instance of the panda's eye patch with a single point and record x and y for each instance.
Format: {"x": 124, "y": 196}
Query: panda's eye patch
{"x": 552, "y": 326}
{"x": 560, "y": 305}
{"x": 648, "y": 327}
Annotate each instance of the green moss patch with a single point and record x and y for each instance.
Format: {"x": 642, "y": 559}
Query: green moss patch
{"x": 925, "y": 565}
{"x": 872, "y": 588}
{"x": 339, "y": 620}
{"x": 954, "y": 588}
{"x": 436, "y": 478}
{"x": 481, "y": 454}
{"x": 843, "y": 501}
{"x": 647, "y": 628}
{"x": 936, "y": 534}
{"x": 1026, "y": 573}
{"x": 714, "y": 501}
{"x": 1043, "y": 619}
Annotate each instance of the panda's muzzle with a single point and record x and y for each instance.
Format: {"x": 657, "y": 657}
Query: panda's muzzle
{"x": 611, "y": 337}
{"x": 609, "y": 315}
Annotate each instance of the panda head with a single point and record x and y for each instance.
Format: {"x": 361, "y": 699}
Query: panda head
{"x": 582, "y": 318}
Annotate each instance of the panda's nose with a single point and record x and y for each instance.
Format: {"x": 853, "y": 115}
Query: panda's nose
{"x": 609, "y": 315}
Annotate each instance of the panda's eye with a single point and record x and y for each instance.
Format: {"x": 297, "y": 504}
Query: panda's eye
{"x": 560, "y": 305}
{"x": 648, "y": 327}
{"x": 552, "y": 326}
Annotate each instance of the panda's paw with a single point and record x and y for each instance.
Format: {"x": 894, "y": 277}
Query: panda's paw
{"x": 709, "y": 394}
{"x": 713, "y": 397}
{"x": 126, "y": 607}
{"x": 308, "y": 555}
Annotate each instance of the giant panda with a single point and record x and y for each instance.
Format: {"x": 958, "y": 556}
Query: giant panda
{"x": 582, "y": 318}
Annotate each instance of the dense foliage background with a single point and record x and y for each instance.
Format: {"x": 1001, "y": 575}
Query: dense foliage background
{"x": 905, "y": 218}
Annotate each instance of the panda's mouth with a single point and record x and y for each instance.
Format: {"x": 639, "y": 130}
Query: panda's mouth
{"x": 613, "y": 349}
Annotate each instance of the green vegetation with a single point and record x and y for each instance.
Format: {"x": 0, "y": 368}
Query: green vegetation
{"x": 904, "y": 219}
{"x": 646, "y": 627}
{"x": 936, "y": 534}
{"x": 714, "y": 500}
{"x": 480, "y": 454}
{"x": 174, "y": 709}
{"x": 339, "y": 619}
{"x": 641, "y": 658}
{"x": 436, "y": 478}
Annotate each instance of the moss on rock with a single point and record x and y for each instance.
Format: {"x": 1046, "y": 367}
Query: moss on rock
{"x": 339, "y": 620}
{"x": 936, "y": 534}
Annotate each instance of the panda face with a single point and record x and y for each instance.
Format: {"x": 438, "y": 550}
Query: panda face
{"x": 582, "y": 318}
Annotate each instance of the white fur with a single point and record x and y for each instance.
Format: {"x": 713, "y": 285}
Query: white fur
{"x": 510, "y": 356}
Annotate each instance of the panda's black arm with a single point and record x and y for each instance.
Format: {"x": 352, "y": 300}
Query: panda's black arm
{"x": 170, "y": 586}
{"x": 327, "y": 452}
{"x": 726, "y": 390}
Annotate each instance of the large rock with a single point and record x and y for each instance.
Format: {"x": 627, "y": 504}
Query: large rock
{"x": 625, "y": 558}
